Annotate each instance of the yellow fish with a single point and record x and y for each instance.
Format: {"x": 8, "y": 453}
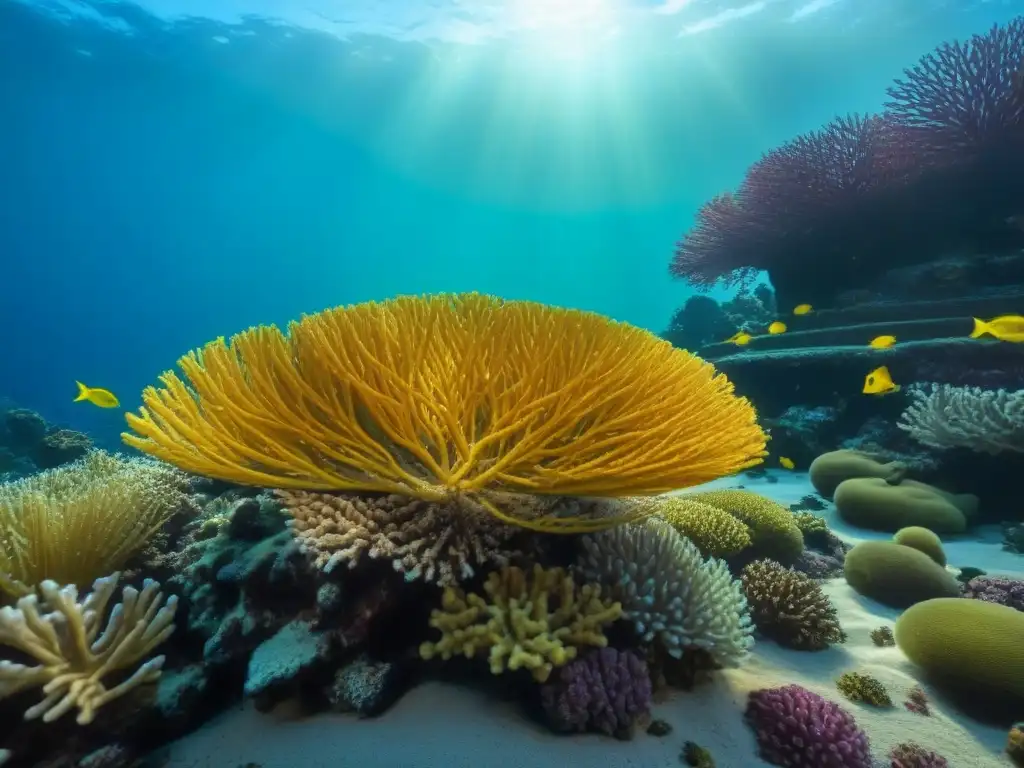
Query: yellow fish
{"x": 740, "y": 338}
{"x": 1005, "y": 328}
{"x": 803, "y": 309}
{"x": 786, "y": 462}
{"x": 98, "y": 396}
{"x": 882, "y": 342}
{"x": 879, "y": 382}
{"x": 776, "y": 328}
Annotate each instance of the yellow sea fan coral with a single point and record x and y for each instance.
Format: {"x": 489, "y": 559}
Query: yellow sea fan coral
{"x": 73, "y": 654}
{"x": 773, "y": 528}
{"x": 437, "y": 395}
{"x": 516, "y": 623}
{"x": 716, "y": 533}
{"x": 80, "y": 521}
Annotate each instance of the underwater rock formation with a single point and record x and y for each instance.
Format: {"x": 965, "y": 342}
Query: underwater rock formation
{"x": 29, "y": 444}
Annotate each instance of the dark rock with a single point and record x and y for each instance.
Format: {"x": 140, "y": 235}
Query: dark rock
{"x": 60, "y": 446}
{"x": 110, "y": 756}
{"x": 659, "y": 728}
{"x": 367, "y": 687}
{"x": 25, "y": 428}
{"x": 279, "y": 663}
{"x": 699, "y": 322}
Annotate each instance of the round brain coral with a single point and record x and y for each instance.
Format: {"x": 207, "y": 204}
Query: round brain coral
{"x": 880, "y": 506}
{"x": 790, "y": 608}
{"x": 772, "y": 527}
{"x": 970, "y": 642}
{"x": 923, "y": 540}
{"x": 716, "y": 533}
{"x": 452, "y": 394}
{"x": 795, "y": 727}
{"x": 896, "y": 575}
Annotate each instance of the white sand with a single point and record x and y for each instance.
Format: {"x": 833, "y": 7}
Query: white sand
{"x": 440, "y": 726}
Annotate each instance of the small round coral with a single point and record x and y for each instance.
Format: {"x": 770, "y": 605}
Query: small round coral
{"x": 789, "y": 607}
{"x": 607, "y": 691}
{"x": 863, "y": 689}
{"x": 1015, "y": 744}
{"x": 911, "y": 755}
{"x": 795, "y": 727}
{"x": 809, "y": 524}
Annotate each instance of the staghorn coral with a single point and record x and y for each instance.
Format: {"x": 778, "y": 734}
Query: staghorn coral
{"x": 716, "y": 533}
{"x": 452, "y": 394}
{"x": 772, "y": 526}
{"x": 673, "y": 597}
{"x": 1008, "y": 592}
{"x": 516, "y": 625}
{"x": 789, "y": 607}
{"x": 80, "y": 521}
{"x": 607, "y": 691}
{"x": 441, "y": 543}
{"x": 945, "y": 416}
{"x": 882, "y": 637}
{"x": 74, "y": 655}
{"x": 795, "y": 727}
{"x": 911, "y": 755}
{"x": 863, "y": 689}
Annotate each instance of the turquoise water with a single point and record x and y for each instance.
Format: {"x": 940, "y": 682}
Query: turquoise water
{"x": 174, "y": 171}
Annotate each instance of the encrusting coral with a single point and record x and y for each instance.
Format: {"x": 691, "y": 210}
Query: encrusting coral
{"x": 911, "y": 755}
{"x": 72, "y": 652}
{"x": 517, "y": 626}
{"x": 789, "y": 607}
{"x": 715, "y": 532}
{"x": 863, "y": 689}
{"x": 84, "y": 520}
{"x": 437, "y": 542}
{"x": 673, "y": 597}
{"x": 431, "y": 396}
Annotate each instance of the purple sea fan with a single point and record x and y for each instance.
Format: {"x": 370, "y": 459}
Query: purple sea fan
{"x": 796, "y": 728}
{"x": 966, "y": 95}
{"x": 1008, "y": 592}
{"x": 716, "y": 246}
{"x": 607, "y": 691}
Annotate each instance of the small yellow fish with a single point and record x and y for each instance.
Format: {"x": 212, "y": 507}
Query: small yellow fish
{"x": 879, "y": 382}
{"x": 1005, "y": 328}
{"x": 786, "y": 462}
{"x": 740, "y": 338}
{"x": 882, "y": 342}
{"x": 776, "y": 328}
{"x": 98, "y": 396}
{"x": 803, "y": 309}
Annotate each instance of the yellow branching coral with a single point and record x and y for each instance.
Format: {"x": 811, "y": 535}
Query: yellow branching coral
{"x": 531, "y": 621}
{"x": 73, "y": 655}
{"x": 452, "y": 394}
{"x": 772, "y": 527}
{"x": 716, "y": 533}
{"x": 78, "y": 522}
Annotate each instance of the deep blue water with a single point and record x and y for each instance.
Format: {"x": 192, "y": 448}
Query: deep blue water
{"x": 164, "y": 181}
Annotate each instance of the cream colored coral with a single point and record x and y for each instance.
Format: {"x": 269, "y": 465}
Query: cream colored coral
{"x": 73, "y": 655}
{"x": 83, "y": 520}
{"x": 517, "y": 625}
{"x": 442, "y": 543}
{"x": 984, "y": 420}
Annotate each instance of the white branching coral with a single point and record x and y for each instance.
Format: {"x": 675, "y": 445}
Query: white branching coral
{"x": 671, "y": 594}
{"x": 983, "y": 420}
{"x": 438, "y": 543}
{"x": 72, "y": 652}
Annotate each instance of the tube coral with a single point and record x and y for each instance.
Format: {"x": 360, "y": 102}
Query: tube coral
{"x": 435, "y": 396}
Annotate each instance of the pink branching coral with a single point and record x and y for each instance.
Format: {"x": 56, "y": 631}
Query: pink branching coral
{"x": 607, "y": 691}
{"x": 911, "y": 755}
{"x": 795, "y": 727}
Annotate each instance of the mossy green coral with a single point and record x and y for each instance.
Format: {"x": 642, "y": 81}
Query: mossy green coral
{"x": 810, "y": 524}
{"x": 863, "y": 689}
{"x": 772, "y": 527}
{"x": 715, "y": 532}
{"x": 534, "y": 621}
{"x": 923, "y": 540}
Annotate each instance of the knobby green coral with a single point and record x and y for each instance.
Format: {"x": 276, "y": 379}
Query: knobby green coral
{"x": 810, "y": 524}
{"x": 534, "y": 621}
{"x": 882, "y": 637}
{"x": 863, "y": 689}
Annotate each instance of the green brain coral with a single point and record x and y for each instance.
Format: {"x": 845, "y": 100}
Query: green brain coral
{"x": 896, "y": 575}
{"x": 923, "y": 540}
{"x": 772, "y": 527}
{"x": 716, "y": 533}
{"x": 830, "y": 469}
{"x": 873, "y": 503}
{"x": 970, "y": 642}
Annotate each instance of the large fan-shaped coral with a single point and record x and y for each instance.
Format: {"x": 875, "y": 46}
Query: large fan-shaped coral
{"x": 673, "y": 597}
{"x": 440, "y": 395}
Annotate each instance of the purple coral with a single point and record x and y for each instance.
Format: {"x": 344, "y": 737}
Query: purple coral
{"x": 1008, "y": 592}
{"x": 717, "y": 246}
{"x": 797, "y": 728}
{"x": 607, "y": 691}
{"x": 911, "y": 755}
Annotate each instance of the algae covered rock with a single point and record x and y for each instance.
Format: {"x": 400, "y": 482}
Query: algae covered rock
{"x": 923, "y": 540}
{"x": 832, "y": 468}
{"x": 968, "y": 642}
{"x": 880, "y": 506}
{"x": 896, "y": 575}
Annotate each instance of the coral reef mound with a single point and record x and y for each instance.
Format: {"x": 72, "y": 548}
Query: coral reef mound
{"x": 832, "y": 468}
{"x": 923, "y": 540}
{"x": 896, "y": 575}
{"x": 873, "y": 503}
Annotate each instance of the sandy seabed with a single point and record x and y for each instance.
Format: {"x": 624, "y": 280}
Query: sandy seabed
{"x": 442, "y": 726}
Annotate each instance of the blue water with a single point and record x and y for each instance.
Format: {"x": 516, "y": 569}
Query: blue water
{"x": 168, "y": 175}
